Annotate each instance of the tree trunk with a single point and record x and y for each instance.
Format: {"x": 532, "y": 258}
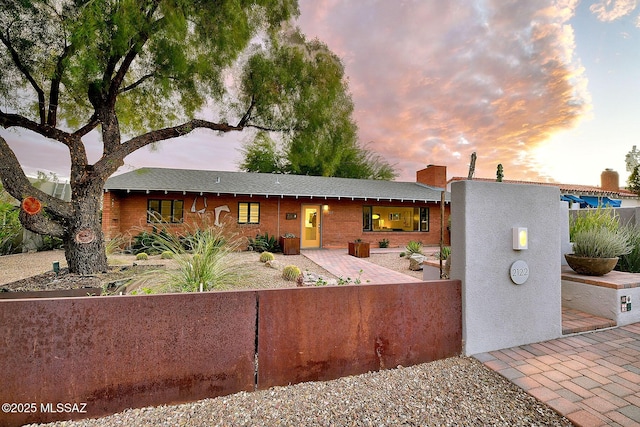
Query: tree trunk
{"x": 84, "y": 242}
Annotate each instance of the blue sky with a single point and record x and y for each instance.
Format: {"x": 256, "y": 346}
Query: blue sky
{"x": 550, "y": 89}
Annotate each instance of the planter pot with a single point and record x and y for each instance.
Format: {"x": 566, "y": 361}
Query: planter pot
{"x": 591, "y": 266}
{"x": 359, "y": 249}
{"x": 290, "y": 245}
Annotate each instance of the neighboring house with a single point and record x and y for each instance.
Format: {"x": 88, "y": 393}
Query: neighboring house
{"x": 31, "y": 241}
{"x": 323, "y": 212}
{"x": 584, "y": 196}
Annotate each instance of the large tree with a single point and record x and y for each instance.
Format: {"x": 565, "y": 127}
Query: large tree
{"x": 340, "y": 157}
{"x": 142, "y": 71}
{"x": 325, "y": 142}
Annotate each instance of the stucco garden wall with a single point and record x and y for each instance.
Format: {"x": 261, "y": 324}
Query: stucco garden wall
{"x": 498, "y": 313}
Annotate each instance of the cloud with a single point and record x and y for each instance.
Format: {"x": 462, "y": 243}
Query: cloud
{"x": 435, "y": 81}
{"x": 610, "y": 10}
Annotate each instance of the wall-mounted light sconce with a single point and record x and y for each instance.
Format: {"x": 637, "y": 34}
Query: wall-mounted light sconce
{"x": 325, "y": 208}
{"x": 520, "y": 238}
{"x": 375, "y": 216}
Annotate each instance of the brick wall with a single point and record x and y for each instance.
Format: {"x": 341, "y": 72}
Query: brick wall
{"x": 125, "y": 214}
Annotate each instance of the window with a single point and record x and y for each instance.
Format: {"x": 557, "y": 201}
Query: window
{"x": 248, "y": 213}
{"x": 169, "y": 211}
{"x": 390, "y": 218}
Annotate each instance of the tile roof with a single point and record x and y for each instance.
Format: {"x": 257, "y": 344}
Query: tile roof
{"x": 564, "y": 188}
{"x": 280, "y": 185}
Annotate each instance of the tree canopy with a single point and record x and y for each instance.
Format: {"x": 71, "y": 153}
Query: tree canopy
{"x": 143, "y": 71}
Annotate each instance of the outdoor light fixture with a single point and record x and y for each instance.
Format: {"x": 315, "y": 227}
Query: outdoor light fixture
{"x": 56, "y": 267}
{"x": 520, "y": 238}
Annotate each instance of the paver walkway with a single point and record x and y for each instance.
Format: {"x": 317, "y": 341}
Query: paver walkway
{"x": 593, "y": 378}
{"x": 339, "y": 263}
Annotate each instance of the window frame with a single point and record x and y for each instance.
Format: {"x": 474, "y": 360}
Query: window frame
{"x": 175, "y": 206}
{"x": 423, "y": 213}
{"x": 246, "y": 218}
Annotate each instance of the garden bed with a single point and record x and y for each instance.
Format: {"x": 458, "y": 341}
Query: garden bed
{"x": 615, "y": 296}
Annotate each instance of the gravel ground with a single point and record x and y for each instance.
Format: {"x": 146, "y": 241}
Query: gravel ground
{"x": 33, "y": 271}
{"x": 453, "y": 392}
{"x": 458, "y": 391}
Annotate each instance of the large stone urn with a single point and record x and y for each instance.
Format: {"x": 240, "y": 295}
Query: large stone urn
{"x": 591, "y": 266}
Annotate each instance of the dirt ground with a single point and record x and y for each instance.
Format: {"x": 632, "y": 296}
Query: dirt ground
{"x": 34, "y": 271}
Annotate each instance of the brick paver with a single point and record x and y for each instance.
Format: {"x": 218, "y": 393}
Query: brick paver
{"x": 339, "y": 263}
{"x": 593, "y": 379}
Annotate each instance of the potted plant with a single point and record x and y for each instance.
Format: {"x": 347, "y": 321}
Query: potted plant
{"x": 596, "y": 251}
{"x": 359, "y": 249}
{"x": 290, "y": 244}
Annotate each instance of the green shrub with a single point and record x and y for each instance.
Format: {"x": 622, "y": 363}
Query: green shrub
{"x": 602, "y": 243}
{"x": 291, "y": 272}
{"x": 204, "y": 259}
{"x": 264, "y": 243}
{"x": 403, "y": 254}
{"x": 114, "y": 245}
{"x": 384, "y": 243}
{"x": 593, "y": 219}
{"x": 414, "y": 248}
{"x": 142, "y": 256}
{"x": 444, "y": 253}
{"x": 166, "y": 255}
{"x": 266, "y": 256}
{"x": 10, "y": 229}
{"x": 631, "y": 262}
{"x": 149, "y": 242}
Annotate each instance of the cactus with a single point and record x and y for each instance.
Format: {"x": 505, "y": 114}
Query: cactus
{"x": 291, "y": 272}
{"x": 266, "y": 256}
{"x": 166, "y": 255}
{"x": 142, "y": 256}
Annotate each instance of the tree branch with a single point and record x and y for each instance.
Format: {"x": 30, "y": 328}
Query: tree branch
{"x": 137, "y": 83}
{"x": 8, "y": 120}
{"x": 110, "y": 162}
{"x": 133, "y": 52}
{"x": 41, "y": 224}
{"x": 23, "y": 69}
{"x": 17, "y": 184}
{"x": 91, "y": 125}
{"x": 54, "y": 92}
{"x": 247, "y": 116}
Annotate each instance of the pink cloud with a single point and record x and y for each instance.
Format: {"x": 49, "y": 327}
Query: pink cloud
{"x": 427, "y": 75}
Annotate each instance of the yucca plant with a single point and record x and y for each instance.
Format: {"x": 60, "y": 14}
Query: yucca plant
{"x": 205, "y": 262}
{"x": 601, "y": 243}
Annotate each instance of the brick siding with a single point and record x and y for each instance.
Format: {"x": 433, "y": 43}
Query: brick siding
{"x": 126, "y": 214}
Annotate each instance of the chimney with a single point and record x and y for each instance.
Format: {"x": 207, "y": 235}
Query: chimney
{"x": 433, "y": 176}
{"x": 609, "y": 180}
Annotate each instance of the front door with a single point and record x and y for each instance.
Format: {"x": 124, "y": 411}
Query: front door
{"x": 311, "y": 226}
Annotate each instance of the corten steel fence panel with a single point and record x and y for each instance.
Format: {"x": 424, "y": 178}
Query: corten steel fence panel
{"x": 109, "y": 354}
{"x": 309, "y": 334}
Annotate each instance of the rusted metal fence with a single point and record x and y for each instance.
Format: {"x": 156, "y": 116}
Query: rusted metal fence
{"x": 71, "y": 358}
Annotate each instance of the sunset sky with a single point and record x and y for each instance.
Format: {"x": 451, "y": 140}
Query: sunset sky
{"x": 550, "y": 89}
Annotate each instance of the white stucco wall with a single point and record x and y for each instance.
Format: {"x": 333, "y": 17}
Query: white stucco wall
{"x": 601, "y": 301}
{"x": 497, "y": 313}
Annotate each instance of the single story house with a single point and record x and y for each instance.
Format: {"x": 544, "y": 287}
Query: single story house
{"x": 323, "y": 212}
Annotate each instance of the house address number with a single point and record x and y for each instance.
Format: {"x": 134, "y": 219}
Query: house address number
{"x": 519, "y": 272}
